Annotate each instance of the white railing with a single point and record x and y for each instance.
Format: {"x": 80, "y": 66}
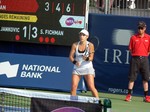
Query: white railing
{"x": 121, "y": 7}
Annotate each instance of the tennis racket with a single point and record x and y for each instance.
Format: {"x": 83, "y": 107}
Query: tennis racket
{"x": 95, "y": 41}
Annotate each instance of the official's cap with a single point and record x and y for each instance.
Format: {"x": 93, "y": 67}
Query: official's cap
{"x": 142, "y": 24}
{"x": 84, "y": 31}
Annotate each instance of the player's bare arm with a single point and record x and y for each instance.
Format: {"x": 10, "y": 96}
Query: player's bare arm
{"x": 72, "y": 52}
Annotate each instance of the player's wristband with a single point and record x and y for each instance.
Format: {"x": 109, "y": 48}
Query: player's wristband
{"x": 74, "y": 62}
{"x": 87, "y": 59}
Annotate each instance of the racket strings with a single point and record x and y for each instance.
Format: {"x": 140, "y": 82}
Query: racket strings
{"x": 95, "y": 42}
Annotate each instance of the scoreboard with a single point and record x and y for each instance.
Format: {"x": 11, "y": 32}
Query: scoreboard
{"x": 56, "y": 22}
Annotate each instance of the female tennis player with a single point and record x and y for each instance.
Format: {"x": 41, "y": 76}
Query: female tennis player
{"x": 81, "y": 55}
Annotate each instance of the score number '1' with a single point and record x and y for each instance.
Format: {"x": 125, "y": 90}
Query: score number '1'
{"x": 31, "y": 32}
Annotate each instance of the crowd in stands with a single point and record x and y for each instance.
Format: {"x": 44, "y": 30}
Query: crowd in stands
{"x": 131, "y": 4}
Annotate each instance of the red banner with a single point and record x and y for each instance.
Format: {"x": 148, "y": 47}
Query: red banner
{"x": 20, "y": 5}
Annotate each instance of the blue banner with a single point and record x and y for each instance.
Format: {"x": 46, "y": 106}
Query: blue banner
{"x": 112, "y": 58}
{"x": 35, "y": 71}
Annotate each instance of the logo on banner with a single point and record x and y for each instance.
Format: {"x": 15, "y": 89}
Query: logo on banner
{"x": 122, "y": 36}
{"x": 8, "y": 69}
{"x": 27, "y": 71}
{"x": 68, "y": 109}
{"x": 36, "y": 71}
{"x": 68, "y": 21}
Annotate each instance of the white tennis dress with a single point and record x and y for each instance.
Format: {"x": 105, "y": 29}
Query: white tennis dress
{"x": 86, "y": 67}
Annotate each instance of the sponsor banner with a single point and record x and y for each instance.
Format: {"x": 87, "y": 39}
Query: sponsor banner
{"x": 50, "y": 105}
{"x": 35, "y": 71}
{"x": 112, "y": 58}
{"x": 72, "y": 21}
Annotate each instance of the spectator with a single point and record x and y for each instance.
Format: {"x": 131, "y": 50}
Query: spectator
{"x": 131, "y": 4}
{"x": 110, "y": 4}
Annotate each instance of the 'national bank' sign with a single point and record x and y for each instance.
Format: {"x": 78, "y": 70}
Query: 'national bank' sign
{"x": 35, "y": 71}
